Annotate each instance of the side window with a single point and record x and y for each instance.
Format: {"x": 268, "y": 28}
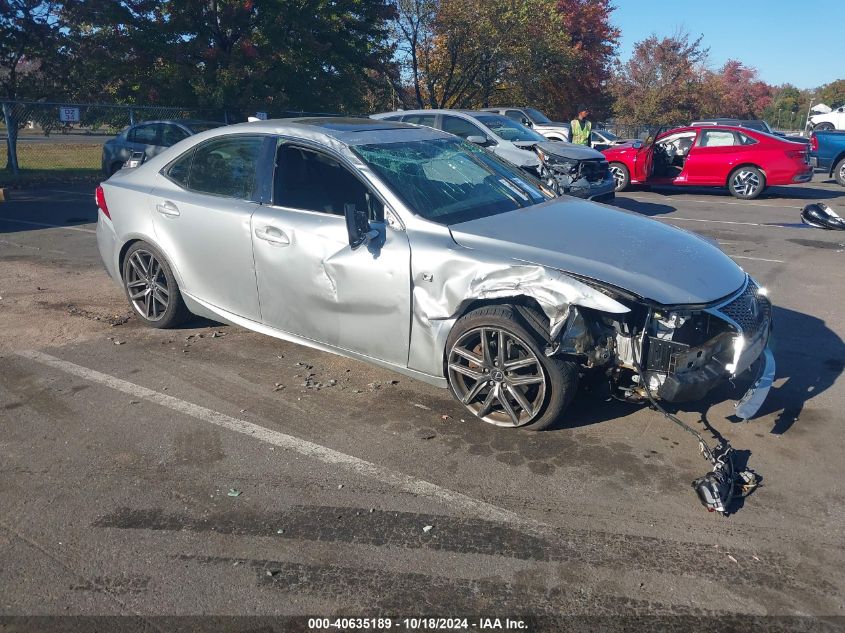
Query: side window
{"x": 717, "y": 138}
{"x": 395, "y": 117}
{"x": 312, "y": 181}
{"x": 420, "y": 119}
{"x": 172, "y": 134}
{"x": 226, "y": 166}
{"x": 744, "y": 139}
{"x": 180, "y": 168}
{"x": 144, "y": 134}
{"x": 460, "y": 127}
{"x": 516, "y": 115}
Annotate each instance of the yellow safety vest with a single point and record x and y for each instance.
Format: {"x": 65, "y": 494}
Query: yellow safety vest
{"x": 581, "y": 135}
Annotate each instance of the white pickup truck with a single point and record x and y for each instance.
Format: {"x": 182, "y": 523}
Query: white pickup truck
{"x": 827, "y": 118}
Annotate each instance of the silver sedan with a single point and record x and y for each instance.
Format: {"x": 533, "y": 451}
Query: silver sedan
{"x": 414, "y": 250}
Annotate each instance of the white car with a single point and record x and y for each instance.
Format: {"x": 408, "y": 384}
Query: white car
{"x": 828, "y": 119}
{"x": 502, "y": 136}
{"x": 537, "y": 121}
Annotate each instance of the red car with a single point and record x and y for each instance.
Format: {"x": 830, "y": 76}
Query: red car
{"x": 743, "y": 160}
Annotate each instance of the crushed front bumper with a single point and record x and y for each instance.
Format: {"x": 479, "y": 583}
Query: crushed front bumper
{"x": 598, "y": 191}
{"x": 690, "y": 372}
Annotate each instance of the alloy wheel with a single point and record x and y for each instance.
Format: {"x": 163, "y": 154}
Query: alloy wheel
{"x": 745, "y": 183}
{"x": 147, "y": 285}
{"x": 497, "y": 377}
{"x": 618, "y": 176}
{"x": 842, "y": 172}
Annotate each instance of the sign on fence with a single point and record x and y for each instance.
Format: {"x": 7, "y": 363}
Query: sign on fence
{"x": 68, "y": 115}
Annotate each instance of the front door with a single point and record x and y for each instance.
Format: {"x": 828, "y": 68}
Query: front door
{"x": 712, "y": 157}
{"x": 202, "y": 209}
{"x": 311, "y": 283}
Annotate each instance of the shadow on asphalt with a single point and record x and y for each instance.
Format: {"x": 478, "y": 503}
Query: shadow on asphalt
{"x": 643, "y": 208}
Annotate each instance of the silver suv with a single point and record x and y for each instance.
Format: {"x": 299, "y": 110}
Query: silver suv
{"x": 151, "y": 138}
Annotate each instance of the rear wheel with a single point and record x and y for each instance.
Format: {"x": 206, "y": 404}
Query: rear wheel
{"x": 151, "y": 287}
{"x": 621, "y": 176}
{"x": 498, "y": 371}
{"x": 746, "y": 183}
{"x": 839, "y": 172}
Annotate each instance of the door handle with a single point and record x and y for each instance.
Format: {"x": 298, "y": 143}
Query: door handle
{"x": 273, "y": 235}
{"x": 168, "y": 208}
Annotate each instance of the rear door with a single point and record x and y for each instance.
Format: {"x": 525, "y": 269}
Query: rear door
{"x": 202, "y": 208}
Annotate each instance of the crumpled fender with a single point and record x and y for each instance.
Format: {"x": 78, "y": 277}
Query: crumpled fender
{"x": 443, "y": 291}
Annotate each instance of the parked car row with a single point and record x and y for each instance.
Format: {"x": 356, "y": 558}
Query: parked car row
{"x": 565, "y": 168}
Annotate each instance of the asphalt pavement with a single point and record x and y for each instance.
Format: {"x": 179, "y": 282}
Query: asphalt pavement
{"x": 213, "y": 471}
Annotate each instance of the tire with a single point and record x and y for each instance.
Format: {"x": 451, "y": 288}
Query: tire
{"x": 839, "y": 172}
{"x": 746, "y": 183}
{"x": 621, "y": 176}
{"x": 827, "y": 125}
{"x": 151, "y": 288}
{"x": 546, "y": 386}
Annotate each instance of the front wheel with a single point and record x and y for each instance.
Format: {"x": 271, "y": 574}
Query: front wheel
{"x": 746, "y": 183}
{"x": 827, "y": 125}
{"x": 151, "y": 287}
{"x": 497, "y": 369}
{"x": 621, "y": 176}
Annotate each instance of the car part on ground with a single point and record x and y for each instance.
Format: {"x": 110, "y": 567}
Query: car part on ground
{"x": 821, "y": 216}
{"x": 406, "y": 247}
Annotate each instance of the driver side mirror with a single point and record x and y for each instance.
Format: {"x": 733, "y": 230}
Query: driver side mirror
{"x": 477, "y": 139}
{"x": 358, "y": 226}
{"x": 527, "y": 122}
{"x": 637, "y": 144}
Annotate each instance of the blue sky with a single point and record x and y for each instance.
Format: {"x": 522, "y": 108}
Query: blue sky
{"x": 787, "y": 41}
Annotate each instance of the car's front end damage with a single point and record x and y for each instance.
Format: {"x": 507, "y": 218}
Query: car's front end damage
{"x": 676, "y": 353}
{"x": 575, "y": 170}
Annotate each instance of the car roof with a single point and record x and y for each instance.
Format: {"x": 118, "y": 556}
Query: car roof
{"x": 346, "y": 130}
{"x": 178, "y": 122}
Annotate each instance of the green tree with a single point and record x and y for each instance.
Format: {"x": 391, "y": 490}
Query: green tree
{"x": 832, "y": 94}
{"x": 661, "y": 83}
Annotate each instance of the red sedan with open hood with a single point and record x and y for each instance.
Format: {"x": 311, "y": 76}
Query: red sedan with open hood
{"x": 743, "y": 160}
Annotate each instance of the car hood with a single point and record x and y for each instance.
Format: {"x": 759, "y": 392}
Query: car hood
{"x": 569, "y": 150}
{"x": 650, "y": 259}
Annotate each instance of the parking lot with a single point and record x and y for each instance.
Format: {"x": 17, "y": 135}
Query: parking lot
{"x": 211, "y": 470}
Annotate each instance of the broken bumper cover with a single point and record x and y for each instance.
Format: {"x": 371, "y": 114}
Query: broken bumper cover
{"x": 754, "y": 398}
{"x": 600, "y": 191}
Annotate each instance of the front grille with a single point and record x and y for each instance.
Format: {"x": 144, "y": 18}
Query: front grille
{"x": 594, "y": 170}
{"x": 750, "y": 310}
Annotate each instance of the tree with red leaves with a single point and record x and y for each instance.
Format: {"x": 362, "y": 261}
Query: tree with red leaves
{"x": 743, "y": 94}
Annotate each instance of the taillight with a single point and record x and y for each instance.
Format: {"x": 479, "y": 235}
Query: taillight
{"x": 814, "y": 142}
{"x": 797, "y": 153}
{"x": 100, "y": 197}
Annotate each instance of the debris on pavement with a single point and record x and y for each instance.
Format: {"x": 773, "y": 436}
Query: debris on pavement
{"x": 426, "y": 434}
{"x": 233, "y": 492}
{"x": 422, "y": 406}
{"x": 428, "y": 528}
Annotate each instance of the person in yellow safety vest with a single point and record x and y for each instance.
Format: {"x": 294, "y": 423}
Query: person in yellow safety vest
{"x": 581, "y": 128}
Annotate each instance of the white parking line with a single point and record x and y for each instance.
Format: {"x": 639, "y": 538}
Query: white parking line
{"x": 756, "y": 259}
{"x": 406, "y": 483}
{"x": 52, "y": 226}
{"x": 717, "y": 221}
{"x": 683, "y": 200}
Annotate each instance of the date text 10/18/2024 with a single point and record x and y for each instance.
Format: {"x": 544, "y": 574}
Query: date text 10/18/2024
{"x": 418, "y": 624}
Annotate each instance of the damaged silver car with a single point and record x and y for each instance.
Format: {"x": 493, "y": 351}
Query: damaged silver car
{"x": 412, "y": 249}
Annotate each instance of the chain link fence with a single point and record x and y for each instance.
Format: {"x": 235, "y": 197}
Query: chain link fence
{"x": 41, "y": 140}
